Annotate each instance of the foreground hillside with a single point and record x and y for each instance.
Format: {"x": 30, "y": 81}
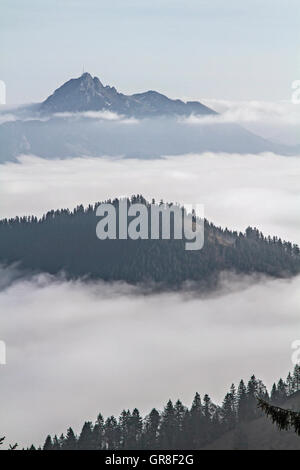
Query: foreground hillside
{"x": 235, "y": 425}
{"x": 66, "y": 241}
{"x": 260, "y": 434}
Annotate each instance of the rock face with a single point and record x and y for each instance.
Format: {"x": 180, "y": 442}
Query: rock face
{"x": 87, "y": 93}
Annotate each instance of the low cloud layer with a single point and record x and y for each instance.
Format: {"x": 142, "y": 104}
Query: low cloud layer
{"x": 74, "y": 349}
{"x": 236, "y": 190}
{"x": 278, "y": 121}
{"x": 23, "y": 113}
{"x": 98, "y": 115}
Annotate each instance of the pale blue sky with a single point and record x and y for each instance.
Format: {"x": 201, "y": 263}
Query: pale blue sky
{"x": 225, "y": 49}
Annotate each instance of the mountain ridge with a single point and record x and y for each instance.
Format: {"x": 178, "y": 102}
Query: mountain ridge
{"x": 87, "y": 93}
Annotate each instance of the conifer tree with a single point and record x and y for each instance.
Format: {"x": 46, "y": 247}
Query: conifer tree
{"x": 61, "y": 440}
{"x": 48, "y": 444}
{"x": 207, "y": 412}
{"x": 150, "y": 436}
{"x": 274, "y": 394}
{"x": 234, "y": 398}
{"x": 56, "y": 444}
{"x": 168, "y": 427}
{"x": 281, "y": 391}
{"x": 242, "y": 402}
{"x": 135, "y": 429}
{"x": 85, "y": 441}
{"x": 112, "y": 433}
{"x": 196, "y": 423}
{"x": 290, "y": 384}
{"x": 180, "y": 412}
{"x": 70, "y": 442}
{"x": 124, "y": 428}
{"x": 252, "y": 386}
{"x": 228, "y": 412}
{"x": 284, "y": 419}
{"x": 98, "y": 433}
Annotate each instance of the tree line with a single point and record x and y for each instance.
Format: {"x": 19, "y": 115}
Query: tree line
{"x": 177, "y": 426}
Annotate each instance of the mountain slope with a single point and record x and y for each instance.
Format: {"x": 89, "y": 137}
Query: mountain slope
{"x": 203, "y": 426}
{"x": 149, "y": 138}
{"x": 260, "y": 434}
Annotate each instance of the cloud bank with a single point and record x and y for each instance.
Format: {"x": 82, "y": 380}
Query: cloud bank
{"x": 98, "y": 115}
{"x": 31, "y": 113}
{"x": 277, "y": 121}
{"x": 236, "y": 190}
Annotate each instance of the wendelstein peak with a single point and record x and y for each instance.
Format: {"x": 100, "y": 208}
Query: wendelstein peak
{"x": 87, "y": 93}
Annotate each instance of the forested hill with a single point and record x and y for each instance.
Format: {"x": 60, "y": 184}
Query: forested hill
{"x": 236, "y": 424}
{"x": 66, "y": 241}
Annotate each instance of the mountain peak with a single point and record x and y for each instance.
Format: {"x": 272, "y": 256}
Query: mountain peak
{"x": 88, "y": 78}
{"x": 86, "y": 75}
{"x": 87, "y": 93}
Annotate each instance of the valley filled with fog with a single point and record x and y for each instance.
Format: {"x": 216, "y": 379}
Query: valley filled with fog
{"x": 69, "y": 340}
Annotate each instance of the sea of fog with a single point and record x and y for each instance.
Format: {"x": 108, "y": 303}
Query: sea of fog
{"x": 76, "y": 348}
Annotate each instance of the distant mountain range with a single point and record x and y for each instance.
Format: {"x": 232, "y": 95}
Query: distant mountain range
{"x": 87, "y": 93}
{"x": 85, "y": 118}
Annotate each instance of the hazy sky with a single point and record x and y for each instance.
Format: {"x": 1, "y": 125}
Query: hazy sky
{"x": 203, "y": 48}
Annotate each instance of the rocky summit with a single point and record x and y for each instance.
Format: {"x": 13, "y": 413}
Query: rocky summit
{"x": 87, "y": 93}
